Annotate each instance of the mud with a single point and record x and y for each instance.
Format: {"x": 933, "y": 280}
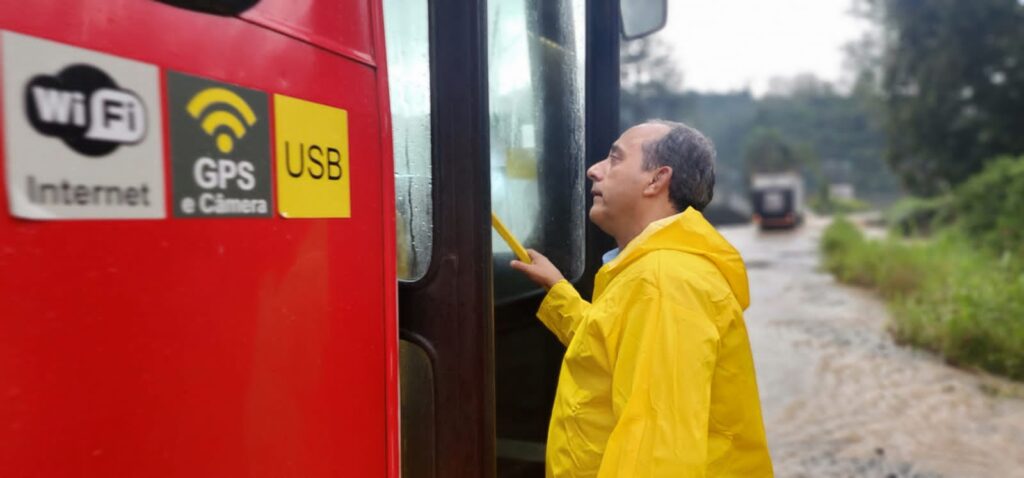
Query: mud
{"x": 841, "y": 399}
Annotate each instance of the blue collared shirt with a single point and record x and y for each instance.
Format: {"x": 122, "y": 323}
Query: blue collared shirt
{"x": 610, "y": 255}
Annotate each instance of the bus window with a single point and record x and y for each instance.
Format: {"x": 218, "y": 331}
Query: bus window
{"x": 536, "y": 69}
{"x": 405, "y": 29}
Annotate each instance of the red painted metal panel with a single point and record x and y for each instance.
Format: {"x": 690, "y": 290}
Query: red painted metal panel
{"x": 341, "y": 26}
{"x": 205, "y": 347}
{"x": 391, "y": 293}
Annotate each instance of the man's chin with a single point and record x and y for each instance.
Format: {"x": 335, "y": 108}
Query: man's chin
{"x": 598, "y": 217}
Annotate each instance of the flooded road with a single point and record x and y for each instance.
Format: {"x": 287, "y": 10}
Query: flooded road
{"x": 841, "y": 399}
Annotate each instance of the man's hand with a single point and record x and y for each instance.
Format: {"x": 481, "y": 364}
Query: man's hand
{"x": 542, "y": 271}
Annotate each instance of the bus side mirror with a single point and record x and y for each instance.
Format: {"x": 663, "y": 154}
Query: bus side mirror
{"x": 642, "y": 17}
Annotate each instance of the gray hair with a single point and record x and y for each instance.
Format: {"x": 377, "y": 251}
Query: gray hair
{"x": 691, "y": 155}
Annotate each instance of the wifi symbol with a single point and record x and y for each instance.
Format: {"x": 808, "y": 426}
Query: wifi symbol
{"x": 227, "y": 121}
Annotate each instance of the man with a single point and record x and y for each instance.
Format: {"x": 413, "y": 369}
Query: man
{"x": 658, "y": 378}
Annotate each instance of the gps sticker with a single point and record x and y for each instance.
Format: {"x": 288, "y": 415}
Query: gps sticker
{"x": 82, "y": 133}
{"x": 220, "y": 148}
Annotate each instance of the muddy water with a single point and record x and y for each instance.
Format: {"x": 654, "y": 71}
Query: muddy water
{"x": 841, "y": 399}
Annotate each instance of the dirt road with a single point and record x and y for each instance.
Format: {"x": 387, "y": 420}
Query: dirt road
{"x": 841, "y": 399}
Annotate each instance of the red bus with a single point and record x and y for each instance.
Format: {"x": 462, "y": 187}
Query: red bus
{"x": 201, "y": 202}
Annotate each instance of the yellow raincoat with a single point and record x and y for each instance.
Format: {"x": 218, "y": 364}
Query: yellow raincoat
{"x": 658, "y": 379}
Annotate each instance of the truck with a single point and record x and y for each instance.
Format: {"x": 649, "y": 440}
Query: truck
{"x": 777, "y": 199}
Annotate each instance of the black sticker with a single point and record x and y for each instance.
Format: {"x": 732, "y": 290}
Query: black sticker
{"x": 220, "y": 148}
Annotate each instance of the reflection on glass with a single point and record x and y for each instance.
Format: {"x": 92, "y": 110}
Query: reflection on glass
{"x": 536, "y": 67}
{"x": 405, "y": 29}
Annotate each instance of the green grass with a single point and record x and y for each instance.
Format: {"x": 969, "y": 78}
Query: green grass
{"x": 946, "y": 294}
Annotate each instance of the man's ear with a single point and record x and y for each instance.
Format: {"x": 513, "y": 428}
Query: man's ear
{"x": 659, "y": 182}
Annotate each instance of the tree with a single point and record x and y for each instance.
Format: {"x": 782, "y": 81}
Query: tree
{"x": 839, "y": 128}
{"x": 802, "y": 85}
{"x": 952, "y": 77}
{"x": 768, "y": 151}
{"x": 651, "y": 82}
{"x": 647, "y": 67}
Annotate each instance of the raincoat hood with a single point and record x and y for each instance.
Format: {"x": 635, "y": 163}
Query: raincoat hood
{"x": 687, "y": 232}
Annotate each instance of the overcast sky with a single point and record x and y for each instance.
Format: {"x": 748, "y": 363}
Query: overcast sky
{"x": 725, "y": 45}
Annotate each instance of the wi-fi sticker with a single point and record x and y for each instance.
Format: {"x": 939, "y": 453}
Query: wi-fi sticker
{"x": 222, "y": 114}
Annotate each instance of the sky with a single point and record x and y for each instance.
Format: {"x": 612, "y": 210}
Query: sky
{"x": 726, "y": 45}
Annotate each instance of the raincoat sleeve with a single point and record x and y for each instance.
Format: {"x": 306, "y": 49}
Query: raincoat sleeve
{"x": 661, "y": 388}
{"x": 562, "y": 311}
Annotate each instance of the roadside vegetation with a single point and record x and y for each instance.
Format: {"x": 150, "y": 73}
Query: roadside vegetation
{"x": 952, "y": 270}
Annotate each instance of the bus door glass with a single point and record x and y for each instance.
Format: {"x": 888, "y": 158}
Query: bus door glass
{"x": 536, "y": 78}
{"x": 406, "y": 31}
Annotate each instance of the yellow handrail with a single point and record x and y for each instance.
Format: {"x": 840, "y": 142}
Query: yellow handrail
{"x": 511, "y": 240}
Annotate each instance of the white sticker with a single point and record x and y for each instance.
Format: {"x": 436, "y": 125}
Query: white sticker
{"x": 83, "y": 133}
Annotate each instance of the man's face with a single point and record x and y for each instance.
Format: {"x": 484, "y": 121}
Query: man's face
{"x": 620, "y": 179}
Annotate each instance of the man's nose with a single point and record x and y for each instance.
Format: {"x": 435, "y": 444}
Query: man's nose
{"x": 594, "y": 172}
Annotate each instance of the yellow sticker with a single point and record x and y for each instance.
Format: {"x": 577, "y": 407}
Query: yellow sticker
{"x": 312, "y": 159}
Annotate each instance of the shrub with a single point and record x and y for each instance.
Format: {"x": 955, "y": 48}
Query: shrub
{"x": 972, "y": 315}
{"x": 991, "y": 205}
{"x": 946, "y": 295}
{"x": 960, "y": 293}
{"x": 913, "y": 216}
{"x": 845, "y": 253}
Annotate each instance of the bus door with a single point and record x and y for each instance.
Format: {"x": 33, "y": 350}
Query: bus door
{"x": 197, "y": 274}
{"x": 437, "y": 70}
{"x": 505, "y": 121}
{"x": 501, "y": 106}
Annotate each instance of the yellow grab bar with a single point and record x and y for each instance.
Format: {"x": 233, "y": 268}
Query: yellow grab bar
{"x": 511, "y": 240}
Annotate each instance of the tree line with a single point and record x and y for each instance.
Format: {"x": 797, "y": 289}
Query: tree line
{"x": 938, "y": 92}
